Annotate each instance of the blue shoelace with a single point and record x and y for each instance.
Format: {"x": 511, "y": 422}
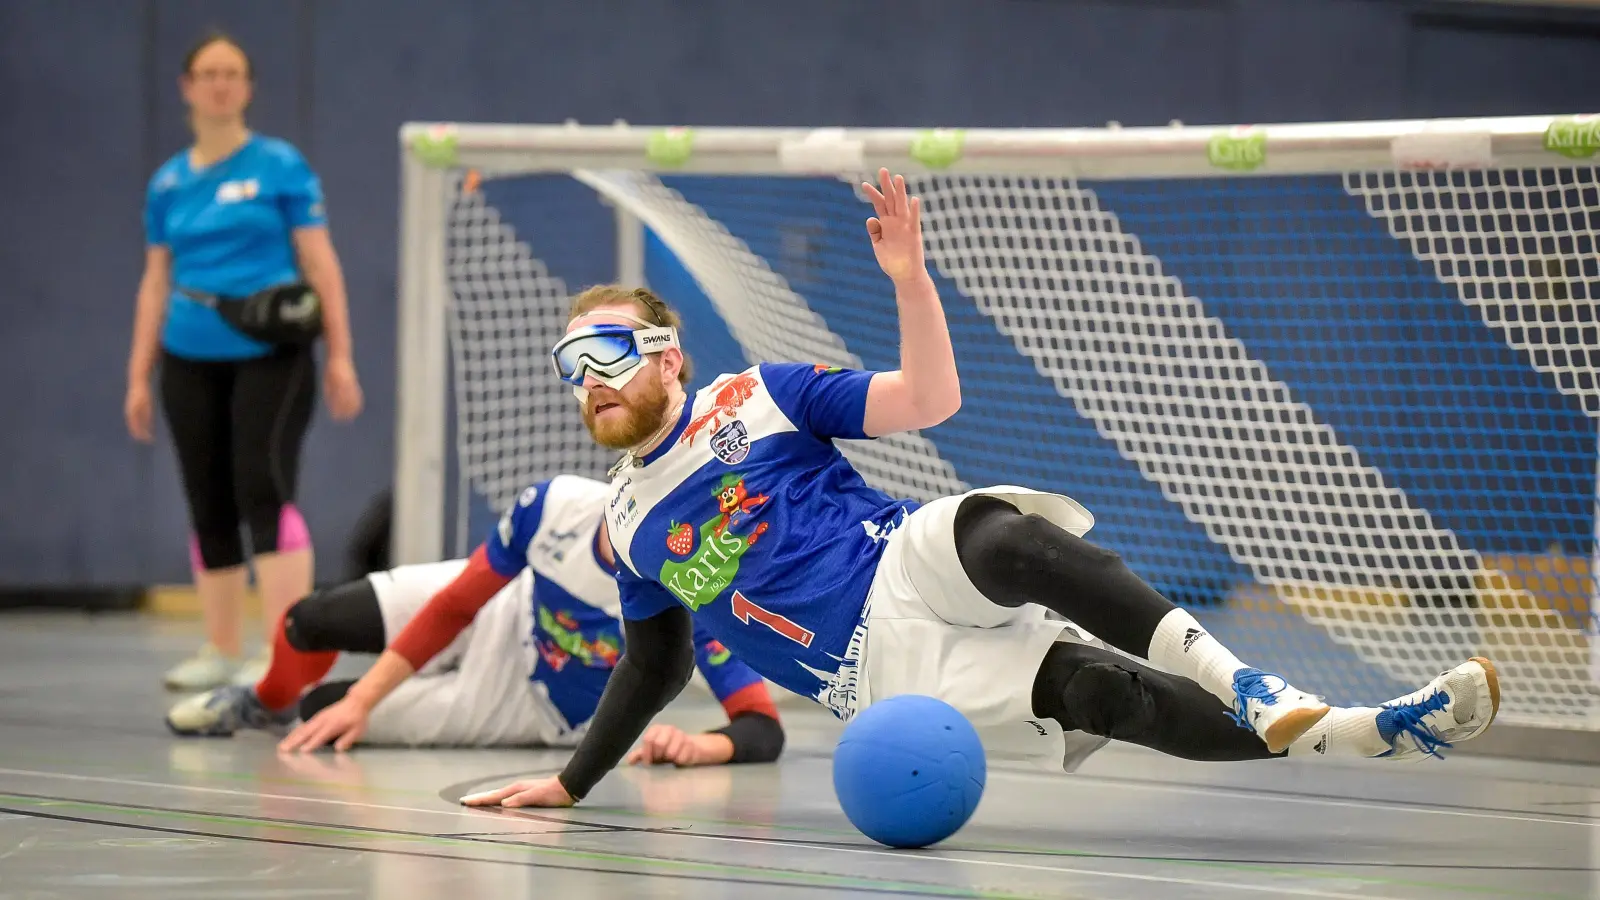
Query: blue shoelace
{"x": 1407, "y": 720}
{"x": 1250, "y": 684}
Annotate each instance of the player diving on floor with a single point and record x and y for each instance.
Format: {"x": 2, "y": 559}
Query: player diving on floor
{"x": 510, "y": 647}
{"x": 733, "y": 511}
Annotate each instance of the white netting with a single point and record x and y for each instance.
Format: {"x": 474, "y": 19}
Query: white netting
{"x": 508, "y": 311}
{"x": 1330, "y": 558}
{"x": 1522, "y": 247}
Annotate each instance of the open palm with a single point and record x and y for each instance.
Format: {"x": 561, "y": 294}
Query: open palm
{"x": 896, "y": 229}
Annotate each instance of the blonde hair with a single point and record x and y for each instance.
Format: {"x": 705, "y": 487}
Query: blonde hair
{"x": 651, "y": 308}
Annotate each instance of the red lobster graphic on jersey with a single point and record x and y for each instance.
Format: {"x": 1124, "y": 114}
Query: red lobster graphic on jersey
{"x": 731, "y": 394}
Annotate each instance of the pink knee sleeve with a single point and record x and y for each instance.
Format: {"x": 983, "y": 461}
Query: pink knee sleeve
{"x": 292, "y": 531}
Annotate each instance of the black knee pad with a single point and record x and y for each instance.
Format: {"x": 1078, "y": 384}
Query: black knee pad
{"x": 1014, "y": 557}
{"x": 323, "y": 696}
{"x": 346, "y": 618}
{"x": 1105, "y": 699}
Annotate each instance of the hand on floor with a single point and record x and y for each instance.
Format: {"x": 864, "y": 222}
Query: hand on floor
{"x": 667, "y": 744}
{"x": 543, "y": 792}
{"x": 343, "y": 723}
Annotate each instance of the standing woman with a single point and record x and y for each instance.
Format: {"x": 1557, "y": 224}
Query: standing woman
{"x": 232, "y": 222}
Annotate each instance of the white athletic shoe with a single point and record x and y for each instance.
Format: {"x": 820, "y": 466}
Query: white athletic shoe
{"x": 203, "y": 671}
{"x": 221, "y": 712}
{"x": 1279, "y": 712}
{"x": 254, "y": 669}
{"x": 1454, "y": 707}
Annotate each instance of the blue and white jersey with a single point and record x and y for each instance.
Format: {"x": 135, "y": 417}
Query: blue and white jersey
{"x": 230, "y": 229}
{"x": 552, "y": 529}
{"x": 750, "y": 516}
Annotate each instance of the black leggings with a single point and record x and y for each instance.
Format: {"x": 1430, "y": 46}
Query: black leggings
{"x": 1013, "y": 558}
{"x": 237, "y": 427}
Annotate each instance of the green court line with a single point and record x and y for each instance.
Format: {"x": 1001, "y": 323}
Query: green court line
{"x": 1253, "y": 868}
{"x": 808, "y": 879}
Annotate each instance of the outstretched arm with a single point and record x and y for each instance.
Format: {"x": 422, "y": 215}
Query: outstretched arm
{"x": 445, "y": 615}
{"x": 926, "y": 389}
{"x": 655, "y": 665}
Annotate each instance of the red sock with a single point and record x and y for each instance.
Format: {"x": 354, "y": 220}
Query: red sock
{"x": 291, "y": 672}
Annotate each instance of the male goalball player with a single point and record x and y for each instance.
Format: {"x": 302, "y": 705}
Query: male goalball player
{"x": 735, "y": 506}
{"x": 512, "y": 646}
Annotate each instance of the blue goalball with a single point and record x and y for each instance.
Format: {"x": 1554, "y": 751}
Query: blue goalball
{"x": 909, "y": 771}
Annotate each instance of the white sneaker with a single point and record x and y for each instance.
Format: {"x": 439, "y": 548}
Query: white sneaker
{"x": 221, "y": 712}
{"x": 1279, "y": 712}
{"x": 1457, "y": 706}
{"x": 254, "y": 669}
{"x": 203, "y": 671}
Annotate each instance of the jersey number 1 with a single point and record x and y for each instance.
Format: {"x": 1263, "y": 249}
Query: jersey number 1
{"x": 746, "y": 610}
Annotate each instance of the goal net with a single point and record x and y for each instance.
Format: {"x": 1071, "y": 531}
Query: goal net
{"x": 1332, "y": 386}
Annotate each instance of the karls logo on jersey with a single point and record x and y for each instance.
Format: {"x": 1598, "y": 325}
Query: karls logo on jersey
{"x": 731, "y": 443}
{"x": 731, "y": 394}
{"x": 238, "y": 191}
{"x": 711, "y": 569}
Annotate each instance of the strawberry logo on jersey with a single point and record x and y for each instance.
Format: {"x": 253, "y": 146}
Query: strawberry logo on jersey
{"x": 701, "y": 578}
{"x": 827, "y": 370}
{"x": 680, "y": 539}
{"x": 731, "y": 395}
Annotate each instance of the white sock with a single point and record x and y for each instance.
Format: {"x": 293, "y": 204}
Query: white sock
{"x": 1182, "y": 647}
{"x": 1351, "y": 731}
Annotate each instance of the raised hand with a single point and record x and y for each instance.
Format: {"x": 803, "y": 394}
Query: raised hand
{"x": 896, "y": 229}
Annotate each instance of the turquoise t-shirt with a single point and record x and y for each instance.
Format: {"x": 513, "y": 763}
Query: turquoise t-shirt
{"x": 229, "y": 227}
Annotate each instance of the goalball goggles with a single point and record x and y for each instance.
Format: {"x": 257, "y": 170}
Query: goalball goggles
{"x": 611, "y": 353}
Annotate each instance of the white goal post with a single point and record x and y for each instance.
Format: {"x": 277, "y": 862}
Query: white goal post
{"x": 1091, "y": 253}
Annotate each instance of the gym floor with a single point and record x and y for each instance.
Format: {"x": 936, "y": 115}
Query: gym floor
{"x": 97, "y": 800}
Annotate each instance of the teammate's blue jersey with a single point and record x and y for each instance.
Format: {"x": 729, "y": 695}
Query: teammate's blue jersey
{"x": 229, "y": 227}
{"x": 752, "y": 518}
{"x": 552, "y": 529}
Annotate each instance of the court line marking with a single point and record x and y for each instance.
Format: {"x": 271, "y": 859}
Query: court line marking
{"x": 1066, "y": 870}
{"x": 1383, "y": 805}
{"x": 820, "y": 880}
{"x": 893, "y": 886}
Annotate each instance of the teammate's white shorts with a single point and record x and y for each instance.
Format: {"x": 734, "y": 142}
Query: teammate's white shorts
{"x": 929, "y": 631}
{"x": 476, "y": 691}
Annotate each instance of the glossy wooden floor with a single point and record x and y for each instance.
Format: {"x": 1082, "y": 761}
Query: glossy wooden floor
{"x": 98, "y": 801}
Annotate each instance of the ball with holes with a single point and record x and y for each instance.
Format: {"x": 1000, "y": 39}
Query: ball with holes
{"x": 909, "y": 771}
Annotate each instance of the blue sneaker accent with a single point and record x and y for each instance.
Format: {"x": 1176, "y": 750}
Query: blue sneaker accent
{"x": 1407, "y": 720}
{"x": 1251, "y": 684}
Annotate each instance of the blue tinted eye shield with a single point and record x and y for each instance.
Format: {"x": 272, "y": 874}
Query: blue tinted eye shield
{"x": 613, "y": 354}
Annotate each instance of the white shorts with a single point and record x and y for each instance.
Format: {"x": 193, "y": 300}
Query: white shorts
{"x": 929, "y": 631}
{"x": 475, "y": 692}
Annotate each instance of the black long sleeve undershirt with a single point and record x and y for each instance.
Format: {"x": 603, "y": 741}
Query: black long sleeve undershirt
{"x": 656, "y": 664}
{"x": 757, "y": 737}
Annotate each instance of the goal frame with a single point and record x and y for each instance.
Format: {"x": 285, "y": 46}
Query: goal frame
{"x": 432, "y": 152}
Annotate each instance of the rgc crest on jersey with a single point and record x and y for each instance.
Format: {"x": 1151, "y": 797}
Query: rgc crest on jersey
{"x": 731, "y": 443}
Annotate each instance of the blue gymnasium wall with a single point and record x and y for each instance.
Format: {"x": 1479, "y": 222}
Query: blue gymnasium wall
{"x": 88, "y": 108}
